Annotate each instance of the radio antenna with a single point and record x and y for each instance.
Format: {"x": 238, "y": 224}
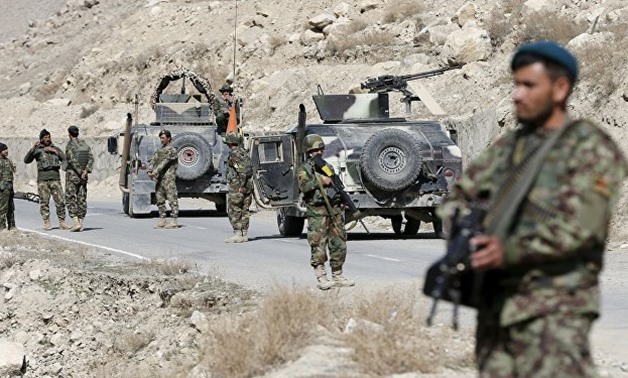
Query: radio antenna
{"x": 235, "y": 41}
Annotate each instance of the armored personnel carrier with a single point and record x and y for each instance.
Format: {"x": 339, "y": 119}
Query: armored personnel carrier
{"x": 394, "y": 168}
{"x": 201, "y": 172}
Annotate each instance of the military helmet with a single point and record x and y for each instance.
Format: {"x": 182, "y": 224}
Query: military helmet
{"x": 226, "y": 88}
{"x": 233, "y": 137}
{"x": 313, "y": 142}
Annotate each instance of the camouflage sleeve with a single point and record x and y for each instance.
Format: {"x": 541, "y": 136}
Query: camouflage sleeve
{"x": 477, "y": 177}
{"x": 579, "y": 217}
{"x": 168, "y": 155}
{"x": 60, "y": 154}
{"x": 307, "y": 180}
{"x": 90, "y": 162}
{"x": 73, "y": 164}
{"x": 31, "y": 155}
{"x": 12, "y": 165}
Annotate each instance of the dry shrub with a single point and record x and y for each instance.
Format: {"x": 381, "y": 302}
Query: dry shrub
{"x": 548, "y": 25}
{"x": 168, "y": 267}
{"x": 52, "y": 84}
{"x": 401, "y": 10}
{"x": 356, "y": 26}
{"x": 374, "y": 38}
{"x": 129, "y": 343}
{"x": 7, "y": 260}
{"x": 257, "y": 341}
{"x": 403, "y": 344}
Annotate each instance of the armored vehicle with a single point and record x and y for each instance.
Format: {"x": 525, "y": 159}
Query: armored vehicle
{"x": 201, "y": 171}
{"x": 394, "y": 168}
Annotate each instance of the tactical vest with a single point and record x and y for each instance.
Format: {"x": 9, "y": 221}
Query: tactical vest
{"x": 82, "y": 153}
{"x": 48, "y": 161}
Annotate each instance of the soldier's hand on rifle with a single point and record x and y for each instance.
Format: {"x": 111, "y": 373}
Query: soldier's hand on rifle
{"x": 489, "y": 252}
{"x": 50, "y": 149}
{"x": 241, "y": 189}
{"x": 325, "y": 180}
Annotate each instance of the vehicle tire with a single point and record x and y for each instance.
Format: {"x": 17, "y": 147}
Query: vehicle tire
{"x": 391, "y": 159}
{"x": 195, "y": 155}
{"x": 396, "y": 223}
{"x": 439, "y": 229}
{"x": 412, "y": 227}
{"x": 289, "y": 225}
{"x": 221, "y": 207}
{"x": 125, "y": 203}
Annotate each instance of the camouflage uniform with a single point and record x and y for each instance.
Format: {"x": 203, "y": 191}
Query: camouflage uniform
{"x": 240, "y": 178}
{"x": 7, "y": 207}
{"x": 221, "y": 111}
{"x": 164, "y": 163}
{"x": 79, "y": 157}
{"x": 324, "y": 230}
{"x": 48, "y": 179}
{"x": 549, "y": 296}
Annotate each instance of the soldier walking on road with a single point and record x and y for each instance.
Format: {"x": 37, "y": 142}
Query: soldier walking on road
{"x": 163, "y": 169}
{"x": 240, "y": 178}
{"x": 546, "y": 252}
{"x": 325, "y": 219}
{"x": 80, "y": 164}
{"x": 49, "y": 160}
{"x": 7, "y": 207}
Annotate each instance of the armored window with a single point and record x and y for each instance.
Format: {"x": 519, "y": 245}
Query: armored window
{"x": 270, "y": 152}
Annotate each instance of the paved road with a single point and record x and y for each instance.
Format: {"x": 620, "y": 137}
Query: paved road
{"x": 378, "y": 258}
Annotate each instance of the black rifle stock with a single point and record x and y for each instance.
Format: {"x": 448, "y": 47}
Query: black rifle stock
{"x": 323, "y": 168}
{"x": 451, "y": 278}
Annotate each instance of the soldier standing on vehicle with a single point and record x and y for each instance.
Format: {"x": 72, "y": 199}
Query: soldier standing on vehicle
{"x": 240, "y": 178}
{"x": 221, "y": 107}
{"x": 325, "y": 218}
{"x": 80, "y": 164}
{"x": 163, "y": 169}
{"x": 548, "y": 253}
{"x": 49, "y": 160}
{"x": 7, "y": 207}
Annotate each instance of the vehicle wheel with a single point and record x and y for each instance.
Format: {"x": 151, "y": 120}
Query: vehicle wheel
{"x": 391, "y": 159}
{"x": 221, "y": 207}
{"x": 125, "y": 203}
{"x": 440, "y": 231}
{"x": 289, "y": 225}
{"x": 195, "y": 155}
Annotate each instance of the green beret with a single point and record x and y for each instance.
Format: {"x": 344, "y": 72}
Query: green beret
{"x": 550, "y": 51}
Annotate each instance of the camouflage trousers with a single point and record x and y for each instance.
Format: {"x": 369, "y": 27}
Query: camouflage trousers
{"x": 47, "y": 189}
{"x": 323, "y": 232}
{"x": 238, "y": 210}
{"x": 7, "y": 209}
{"x": 167, "y": 190}
{"x": 76, "y": 198}
{"x": 553, "y": 346}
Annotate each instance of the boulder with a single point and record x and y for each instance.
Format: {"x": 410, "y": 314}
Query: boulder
{"x": 310, "y": 37}
{"x": 341, "y": 10}
{"x": 199, "y": 321}
{"x": 438, "y": 34}
{"x": 368, "y": 5}
{"x": 467, "y": 45}
{"x": 338, "y": 28}
{"x": 59, "y": 102}
{"x": 585, "y": 40}
{"x": 12, "y": 359}
{"x": 319, "y": 22}
{"x": 532, "y": 6}
{"x": 465, "y": 13}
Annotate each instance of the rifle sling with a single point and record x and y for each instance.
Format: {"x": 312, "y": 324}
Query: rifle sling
{"x": 515, "y": 188}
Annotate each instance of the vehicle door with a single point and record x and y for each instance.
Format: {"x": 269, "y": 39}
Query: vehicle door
{"x": 274, "y": 171}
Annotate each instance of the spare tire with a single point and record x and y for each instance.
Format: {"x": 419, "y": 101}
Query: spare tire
{"x": 391, "y": 159}
{"x": 195, "y": 155}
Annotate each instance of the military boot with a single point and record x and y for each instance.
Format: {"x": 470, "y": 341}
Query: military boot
{"x": 321, "y": 278}
{"x": 236, "y": 238}
{"x": 173, "y": 223}
{"x": 76, "y": 225}
{"x": 63, "y": 225}
{"x": 47, "y": 225}
{"x": 245, "y": 236}
{"x": 341, "y": 281}
{"x": 81, "y": 223}
{"x": 161, "y": 223}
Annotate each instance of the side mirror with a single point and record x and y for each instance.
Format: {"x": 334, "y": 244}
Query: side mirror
{"x": 112, "y": 145}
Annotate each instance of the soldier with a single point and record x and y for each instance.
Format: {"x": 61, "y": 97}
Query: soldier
{"x": 49, "y": 159}
{"x": 163, "y": 169}
{"x": 7, "y": 207}
{"x": 548, "y": 253}
{"x": 80, "y": 163}
{"x": 221, "y": 107}
{"x": 325, "y": 219}
{"x": 240, "y": 177}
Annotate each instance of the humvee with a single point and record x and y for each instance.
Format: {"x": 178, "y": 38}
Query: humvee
{"x": 202, "y": 169}
{"x": 394, "y": 168}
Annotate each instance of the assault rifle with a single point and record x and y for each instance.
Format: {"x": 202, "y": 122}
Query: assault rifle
{"x": 451, "y": 278}
{"x": 323, "y": 168}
